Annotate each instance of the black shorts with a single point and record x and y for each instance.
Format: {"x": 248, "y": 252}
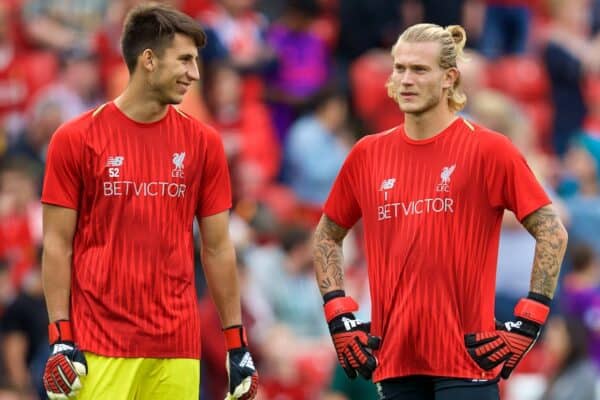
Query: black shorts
{"x": 419, "y": 387}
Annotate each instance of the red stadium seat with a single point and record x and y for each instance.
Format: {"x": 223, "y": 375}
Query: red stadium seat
{"x": 523, "y": 78}
{"x": 368, "y": 75}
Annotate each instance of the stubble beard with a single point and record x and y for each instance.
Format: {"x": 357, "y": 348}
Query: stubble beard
{"x": 393, "y": 90}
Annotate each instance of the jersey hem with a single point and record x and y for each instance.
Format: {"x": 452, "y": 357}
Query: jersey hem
{"x": 534, "y": 209}
{"x": 438, "y": 375}
{"x": 118, "y": 354}
{"x": 58, "y": 203}
{"x": 214, "y": 212}
{"x": 345, "y": 226}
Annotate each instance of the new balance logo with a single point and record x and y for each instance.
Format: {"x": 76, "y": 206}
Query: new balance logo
{"x": 510, "y": 325}
{"x": 115, "y": 161}
{"x": 247, "y": 362}
{"x": 387, "y": 184}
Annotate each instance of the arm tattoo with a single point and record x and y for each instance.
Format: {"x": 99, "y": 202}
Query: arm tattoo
{"x": 551, "y": 243}
{"x": 327, "y": 255}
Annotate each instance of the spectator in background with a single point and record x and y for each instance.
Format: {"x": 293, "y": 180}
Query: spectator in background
{"x": 22, "y": 72}
{"x": 569, "y": 55}
{"x": 24, "y": 337}
{"x": 506, "y": 28}
{"x": 77, "y": 88}
{"x": 63, "y": 25}
{"x": 581, "y": 188}
{"x": 316, "y": 148}
{"x": 581, "y": 295}
{"x": 575, "y": 376}
{"x": 473, "y": 77}
{"x": 44, "y": 117}
{"x": 246, "y": 129}
{"x": 302, "y": 63}
{"x": 291, "y": 267}
{"x": 237, "y": 33}
{"x": 107, "y": 45}
{"x": 20, "y": 218}
{"x": 365, "y": 25}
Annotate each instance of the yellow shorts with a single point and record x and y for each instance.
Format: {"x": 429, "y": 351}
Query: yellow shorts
{"x": 112, "y": 378}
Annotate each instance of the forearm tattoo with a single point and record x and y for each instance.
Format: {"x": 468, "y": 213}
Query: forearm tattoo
{"x": 551, "y": 243}
{"x": 327, "y": 255}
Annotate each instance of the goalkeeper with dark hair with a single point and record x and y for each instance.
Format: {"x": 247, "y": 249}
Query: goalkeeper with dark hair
{"x": 431, "y": 194}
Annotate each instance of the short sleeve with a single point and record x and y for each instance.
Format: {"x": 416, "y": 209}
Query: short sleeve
{"x": 63, "y": 175}
{"x": 510, "y": 182}
{"x": 215, "y": 187}
{"x": 342, "y": 205}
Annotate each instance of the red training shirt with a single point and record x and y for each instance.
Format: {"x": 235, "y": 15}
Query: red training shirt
{"x": 432, "y": 211}
{"x": 137, "y": 188}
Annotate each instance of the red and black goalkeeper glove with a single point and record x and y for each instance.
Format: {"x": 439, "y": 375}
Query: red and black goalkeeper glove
{"x": 243, "y": 378}
{"x": 512, "y": 340}
{"x": 66, "y": 363}
{"x": 352, "y": 339}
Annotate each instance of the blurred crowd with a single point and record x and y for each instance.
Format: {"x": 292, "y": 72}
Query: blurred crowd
{"x": 291, "y": 85}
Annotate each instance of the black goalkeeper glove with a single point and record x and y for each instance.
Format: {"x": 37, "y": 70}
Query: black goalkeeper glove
{"x": 352, "y": 339}
{"x": 512, "y": 340}
{"x": 243, "y": 378}
{"x": 66, "y": 363}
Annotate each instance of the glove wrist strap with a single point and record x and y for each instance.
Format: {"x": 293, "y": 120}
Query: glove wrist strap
{"x": 235, "y": 337}
{"x": 338, "y": 306}
{"x": 532, "y": 310}
{"x": 60, "y": 331}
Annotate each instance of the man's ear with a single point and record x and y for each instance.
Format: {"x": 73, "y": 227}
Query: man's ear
{"x": 450, "y": 76}
{"x": 148, "y": 60}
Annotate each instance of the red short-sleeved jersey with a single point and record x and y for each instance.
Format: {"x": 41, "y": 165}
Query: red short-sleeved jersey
{"x": 137, "y": 188}
{"x": 432, "y": 211}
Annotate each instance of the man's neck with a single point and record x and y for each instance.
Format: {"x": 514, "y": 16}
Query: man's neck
{"x": 139, "y": 104}
{"x": 429, "y": 124}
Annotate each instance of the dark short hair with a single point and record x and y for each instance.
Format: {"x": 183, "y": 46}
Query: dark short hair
{"x": 153, "y": 26}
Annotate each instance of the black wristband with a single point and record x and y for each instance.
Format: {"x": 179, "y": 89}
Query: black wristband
{"x": 540, "y": 298}
{"x": 332, "y": 295}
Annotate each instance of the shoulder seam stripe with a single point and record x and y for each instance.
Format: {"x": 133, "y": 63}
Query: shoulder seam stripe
{"x": 468, "y": 124}
{"x": 99, "y": 109}
{"x": 181, "y": 112}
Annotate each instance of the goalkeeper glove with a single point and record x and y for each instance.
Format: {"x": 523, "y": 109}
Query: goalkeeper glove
{"x": 66, "y": 363}
{"x": 510, "y": 342}
{"x": 243, "y": 378}
{"x": 351, "y": 337}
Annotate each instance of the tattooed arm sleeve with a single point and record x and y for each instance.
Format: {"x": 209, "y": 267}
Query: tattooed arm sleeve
{"x": 551, "y": 243}
{"x": 327, "y": 255}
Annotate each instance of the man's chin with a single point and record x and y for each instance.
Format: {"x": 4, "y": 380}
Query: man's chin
{"x": 174, "y": 100}
{"x": 410, "y": 108}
